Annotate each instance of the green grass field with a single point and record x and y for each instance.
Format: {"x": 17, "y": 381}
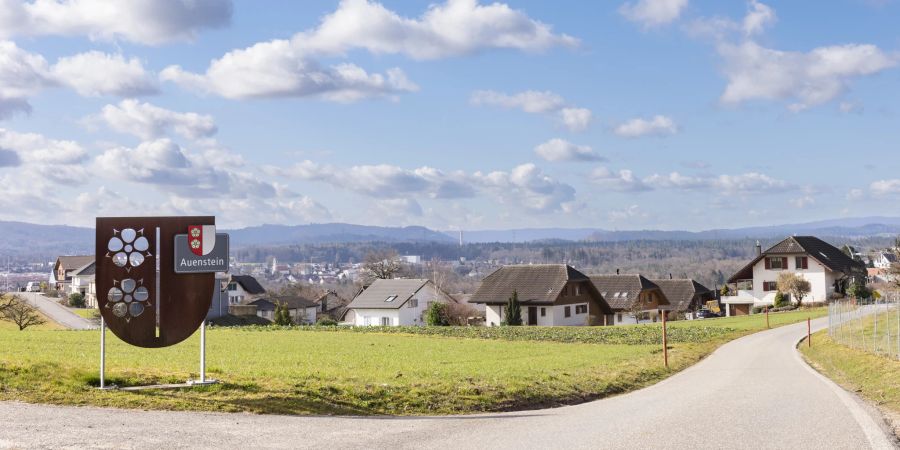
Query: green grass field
{"x": 298, "y": 371}
{"x": 874, "y": 377}
{"x": 87, "y": 313}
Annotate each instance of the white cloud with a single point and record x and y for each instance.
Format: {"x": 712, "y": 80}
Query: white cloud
{"x": 525, "y": 186}
{"x": 855, "y": 194}
{"x": 454, "y": 28}
{"x": 627, "y": 214}
{"x": 41, "y": 151}
{"x": 623, "y": 180}
{"x": 22, "y": 74}
{"x": 804, "y": 79}
{"x": 403, "y": 208}
{"x": 657, "y": 126}
{"x": 276, "y": 69}
{"x": 283, "y": 68}
{"x": 803, "y": 202}
{"x": 536, "y": 102}
{"x": 883, "y": 188}
{"x": 652, "y": 13}
{"x": 148, "y": 121}
{"x": 758, "y": 17}
{"x": 742, "y": 184}
{"x": 529, "y": 187}
{"x": 168, "y": 167}
{"x": 95, "y": 73}
{"x": 576, "y": 119}
{"x": 141, "y": 21}
{"x": 562, "y": 150}
{"x": 527, "y": 101}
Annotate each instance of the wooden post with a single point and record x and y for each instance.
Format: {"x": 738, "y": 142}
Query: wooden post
{"x": 767, "y": 316}
{"x": 808, "y": 333}
{"x": 665, "y": 341}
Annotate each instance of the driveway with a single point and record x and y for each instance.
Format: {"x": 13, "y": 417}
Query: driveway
{"x": 58, "y": 313}
{"x": 753, "y": 393}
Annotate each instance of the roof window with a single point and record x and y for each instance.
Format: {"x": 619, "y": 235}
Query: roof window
{"x": 390, "y": 299}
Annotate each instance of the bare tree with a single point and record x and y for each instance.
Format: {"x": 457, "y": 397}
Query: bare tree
{"x": 20, "y": 312}
{"x": 793, "y": 284}
{"x": 382, "y": 264}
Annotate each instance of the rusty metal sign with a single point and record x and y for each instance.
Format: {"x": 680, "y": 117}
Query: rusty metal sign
{"x": 141, "y": 297}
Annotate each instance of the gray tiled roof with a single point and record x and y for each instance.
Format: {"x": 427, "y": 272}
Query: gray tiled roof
{"x": 87, "y": 269}
{"x": 374, "y": 296}
{"x": 830, "y": 256}
{"x": 680, "y": 292}
{"x": 621, "y": 291}
{"x": 534, "y": 284}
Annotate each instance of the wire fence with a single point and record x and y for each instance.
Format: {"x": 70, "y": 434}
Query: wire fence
{"x": 871, "y": 325}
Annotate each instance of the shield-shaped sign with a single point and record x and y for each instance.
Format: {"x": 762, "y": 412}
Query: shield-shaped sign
{"x": 202, "y": 239}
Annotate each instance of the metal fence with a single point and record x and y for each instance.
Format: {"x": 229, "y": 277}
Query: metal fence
{"x": 870, "y": 325}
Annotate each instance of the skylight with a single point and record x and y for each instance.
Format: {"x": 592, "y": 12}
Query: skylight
{"x": 390, "y": 299}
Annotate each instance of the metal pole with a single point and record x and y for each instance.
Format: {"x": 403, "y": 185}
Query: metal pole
{"x": 203, "y": 351}
{"x": 665, "y": 342}
{"x": 897, "y": 306}
{"x": 808, "y": 333}
{"x": 102, "y": 353}
{"x": 875, "y": 331}
{"x": 767, "y": 316}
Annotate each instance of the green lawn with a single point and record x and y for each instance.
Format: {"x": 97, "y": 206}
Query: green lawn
{"x": 874, "y": 377}
{"x": 294, "y": 371}
{"x": 87, "y": 313}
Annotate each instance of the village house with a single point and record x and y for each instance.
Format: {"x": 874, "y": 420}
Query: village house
{"x": 549, "y": 294}
{"x": 633, "y": 297}
{"x": 242, "y": 289}
{"x": 82, "y": 281}
{"x": 330, "y": 305}
{"x": 884, "y": 260}
{"x": 828, "y": 270}
{"x": 395, "y": 302}
{"x": 61, "y": 277}
{"x": 685, "y": 295}
{"x": 301, "y": 310}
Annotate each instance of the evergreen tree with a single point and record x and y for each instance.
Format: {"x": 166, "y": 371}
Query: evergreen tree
{"x": 513, "y": 315}
{"x": 282, "y": 315}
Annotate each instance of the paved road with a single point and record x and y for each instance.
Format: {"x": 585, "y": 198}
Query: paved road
{"x": 57, "y": 312}
{"x": 754, "y": 392}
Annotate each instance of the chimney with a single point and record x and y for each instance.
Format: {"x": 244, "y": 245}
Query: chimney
{"x": 758, "y": 249}
{"x": 670, "y": 275}
{"x": 617, "y": 271}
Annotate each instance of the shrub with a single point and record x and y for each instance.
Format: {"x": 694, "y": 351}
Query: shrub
{"x": 437, "y": 315}
{"x": 282, "y": 315}
{"x": 513, "y": 315}
{"x": 76, "y": 300}
{"x": 725, "y": 290}
{"x": 859, "y": 291}
{"x": 780, "y": 301}
{"x": 326, "y": 322}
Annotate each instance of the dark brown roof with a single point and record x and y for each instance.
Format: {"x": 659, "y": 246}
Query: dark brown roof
{"x": 534, "y": 284}
{"x": 249, "y": 283}
{"x": 828, "y": 255}
{"x": 620, "y": 291}
{"x": 292, "y": 302}
{"x": 680, "y": 292}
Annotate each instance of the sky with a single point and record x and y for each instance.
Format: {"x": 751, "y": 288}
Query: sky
{"x": 640, "y": 114}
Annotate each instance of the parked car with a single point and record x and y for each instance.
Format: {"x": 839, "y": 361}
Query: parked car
{"x": 706, "y": 314}
{"x": 33, "y": 286}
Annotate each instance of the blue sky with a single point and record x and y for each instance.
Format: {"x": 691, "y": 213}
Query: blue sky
{"x": 660, "y": 114}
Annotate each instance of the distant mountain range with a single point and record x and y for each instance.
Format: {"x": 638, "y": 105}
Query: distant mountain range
{"x": 24, "y": 239}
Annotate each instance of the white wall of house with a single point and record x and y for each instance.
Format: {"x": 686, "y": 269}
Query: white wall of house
{"x": 377, "y": 317}
{"x": 554, "y": 315}
{"x": 820, "y": 278}
{"x": 575, "y": 318}
{"x": 236, "y": 293}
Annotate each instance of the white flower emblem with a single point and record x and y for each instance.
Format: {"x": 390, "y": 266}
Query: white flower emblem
{"x": 128, "y": 248}
{"x": 128, "y": 299}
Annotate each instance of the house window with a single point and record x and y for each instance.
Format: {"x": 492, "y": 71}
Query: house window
{"x": 385, "y": 321}
{"x": 802, "y": 262}
{"x": 413, "y": 303}
{"x": 619, "y": 317}
{"x": 390, "y": 299}
{"x": 769, "y": 286}
{"x": 581, "y": 309}
{"x": 543, "y": 312}
{"x": 232, "y": 286}
{"x": 776, "y": 263}
{"x": 567, "y": 311}
{"x": 577, "y": 290}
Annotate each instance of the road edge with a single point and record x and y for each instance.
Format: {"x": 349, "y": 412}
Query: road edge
{"x": 869, "y": 418}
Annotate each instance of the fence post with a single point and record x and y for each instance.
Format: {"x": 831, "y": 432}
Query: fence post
{"x": 808, "y": 333}
{"x": 875, "y": 331}
{"x": 665, "y": 342}
{"x": 767, "y": 316}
